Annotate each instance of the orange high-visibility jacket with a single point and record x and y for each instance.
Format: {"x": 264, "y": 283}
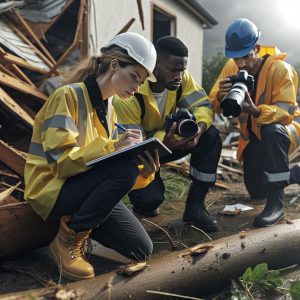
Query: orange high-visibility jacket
{"x": 275, "y": 96}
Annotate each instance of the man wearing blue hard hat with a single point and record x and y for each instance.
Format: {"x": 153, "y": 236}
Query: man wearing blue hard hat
{"x": 259, "y": 87}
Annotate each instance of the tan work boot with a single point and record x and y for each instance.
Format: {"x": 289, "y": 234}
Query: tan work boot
{"x": 67, "y": 251}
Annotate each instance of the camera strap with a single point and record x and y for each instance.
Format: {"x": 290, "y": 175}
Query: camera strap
{"x": 141, "y": 102}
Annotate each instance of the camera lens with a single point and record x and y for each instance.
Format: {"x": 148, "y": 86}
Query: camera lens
{"x": 232, "y": 103}
{"x": 187, "y": 128}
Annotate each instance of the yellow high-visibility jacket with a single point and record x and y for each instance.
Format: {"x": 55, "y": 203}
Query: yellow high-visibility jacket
{"x": 66, "y": 134}
{"x": 193, "y": 97}
{"x": 275, "y": 97}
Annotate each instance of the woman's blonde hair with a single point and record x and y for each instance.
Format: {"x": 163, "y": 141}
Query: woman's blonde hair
{"x": 96, "y": 65}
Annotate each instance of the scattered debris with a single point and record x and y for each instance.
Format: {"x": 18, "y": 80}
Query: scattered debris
{"x": 230, "y": 213}
{"x": 198, "y": 249}
{"x": 133, "y": 268}
{"x": 234, "y": 210}
{"x": 225, "y": 255}
{"x": 7, "y": 192}
{"x": 294, "y": 199}
{"x": 67, "y": 294}
{"x": 242, "y": 234}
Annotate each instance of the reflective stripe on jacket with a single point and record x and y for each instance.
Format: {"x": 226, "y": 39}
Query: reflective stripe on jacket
{"x": 66, "y": 134}
{"x": 193, "y": 98}
{"x": 275, "y": 97}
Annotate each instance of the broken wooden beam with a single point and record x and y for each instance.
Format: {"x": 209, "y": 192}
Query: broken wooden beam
{"x": 22, "y": 36}
{"x": 8, "y": 57}
{"x": 33, "y": 35}
{"x": 233, "y": 170}
{"x": 12, "y": 158}
{"x": 21, "y": 86}
{"x": 15, "y": 107}
{"x": 141, "y": 13}
{"x": 194, "y": 274}
{"x": 76, "y": 41}
{"x": 126, "y": 26}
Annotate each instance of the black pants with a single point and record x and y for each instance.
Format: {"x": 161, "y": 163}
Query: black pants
{"x": 266, "y": 164}
{"x": 204, "y": 161}
{"x": 93, "y": 200}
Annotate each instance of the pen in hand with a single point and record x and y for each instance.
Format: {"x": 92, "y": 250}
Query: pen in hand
{"x": 119, "y": 126}
{"x": 129, "y": 138}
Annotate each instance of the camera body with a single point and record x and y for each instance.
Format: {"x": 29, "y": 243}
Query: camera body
{"x": 233, "y": 101}
{"x": 186, "y": 123}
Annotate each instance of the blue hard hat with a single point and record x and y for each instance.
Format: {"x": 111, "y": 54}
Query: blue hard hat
{"x": 241, "y": 37}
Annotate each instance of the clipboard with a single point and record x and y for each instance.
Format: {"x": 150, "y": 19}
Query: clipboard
{"x": 132, "y": 152}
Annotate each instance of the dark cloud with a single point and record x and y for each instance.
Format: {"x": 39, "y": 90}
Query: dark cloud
{"x": 275, "y": 26}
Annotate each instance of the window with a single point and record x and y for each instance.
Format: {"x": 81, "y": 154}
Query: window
{"x": 163, "y": 24}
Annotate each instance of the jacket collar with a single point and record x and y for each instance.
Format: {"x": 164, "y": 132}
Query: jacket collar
{"x": 145, "y": 89}
{"x": 95, "y": 94}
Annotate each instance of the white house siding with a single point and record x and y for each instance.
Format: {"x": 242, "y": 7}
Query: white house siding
{"x": 108, "y": 17}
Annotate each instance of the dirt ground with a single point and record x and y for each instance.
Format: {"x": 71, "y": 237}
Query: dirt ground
{"x": 35, "y": 270}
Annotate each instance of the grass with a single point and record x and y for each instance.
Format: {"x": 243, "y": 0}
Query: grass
{"x": 176, "y": 186}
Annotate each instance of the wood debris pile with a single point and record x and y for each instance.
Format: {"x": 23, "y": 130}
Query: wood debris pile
{"x": 31, "y": 54}
{"x": 37, "y": 39}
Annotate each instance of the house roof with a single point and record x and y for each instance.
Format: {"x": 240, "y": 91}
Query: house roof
{"x": 199, "y": 11}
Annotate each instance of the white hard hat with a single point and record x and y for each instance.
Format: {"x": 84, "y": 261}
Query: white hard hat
{"x": 137, "y": 47}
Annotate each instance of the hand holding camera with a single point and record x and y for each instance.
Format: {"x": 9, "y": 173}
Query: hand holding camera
{"x": 249, "y": 107}
{"x": 184, "y": 124}
{"x": 233, "y": 101}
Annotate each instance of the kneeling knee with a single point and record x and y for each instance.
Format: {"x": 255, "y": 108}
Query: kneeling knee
{"x": 142, "y": 252}
{"x": 273, "y": 131}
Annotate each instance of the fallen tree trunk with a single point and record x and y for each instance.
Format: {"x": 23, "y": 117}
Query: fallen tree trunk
{"x": 22, "y": 230}
{"x": 193, "y": 275}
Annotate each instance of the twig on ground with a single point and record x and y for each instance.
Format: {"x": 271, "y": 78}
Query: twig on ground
{"x": 39, "y": 277}
{"x": 163, "y": 230}
{"x": 173, "y": 295}
{"x": 198, "y": 229}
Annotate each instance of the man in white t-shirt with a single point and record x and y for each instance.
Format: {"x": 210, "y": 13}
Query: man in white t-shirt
{"x": 175, "y": 90}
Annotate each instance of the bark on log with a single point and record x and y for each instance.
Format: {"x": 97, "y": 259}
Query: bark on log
{"x": 22, "y": 230}
{"x": 278, "y": 246}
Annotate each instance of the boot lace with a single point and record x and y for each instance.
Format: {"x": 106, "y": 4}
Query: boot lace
{"x": 77, "y": 246}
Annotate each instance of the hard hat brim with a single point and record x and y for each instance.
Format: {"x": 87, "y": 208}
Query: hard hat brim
{"x": 239, "y": 53}
{"x": 151, "y": 76}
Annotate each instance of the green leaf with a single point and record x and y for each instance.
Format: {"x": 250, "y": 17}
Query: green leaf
{"x": 259, "y": 272}
{"x": 295, "y": 290}
{"x": 247, "y": 276}
{"x": 274, "y": 278}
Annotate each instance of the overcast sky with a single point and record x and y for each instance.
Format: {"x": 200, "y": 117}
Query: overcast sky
{"x": 278, "y": 21}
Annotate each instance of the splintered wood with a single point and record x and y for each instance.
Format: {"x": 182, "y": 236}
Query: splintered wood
{"x": 133, "y": 268}
{"x": 25, "y": 63}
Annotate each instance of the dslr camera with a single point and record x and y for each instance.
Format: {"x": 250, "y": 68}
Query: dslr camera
{"x": 186, "y": 123}
{"x": 233, "y": 101}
